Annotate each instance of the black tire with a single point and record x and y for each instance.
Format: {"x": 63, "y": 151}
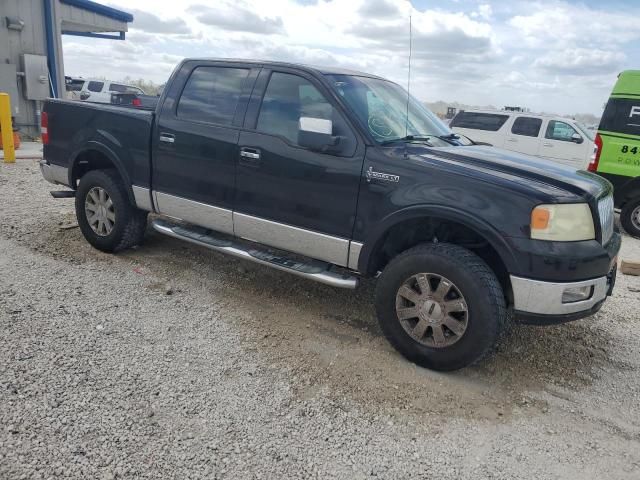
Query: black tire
{"x": 130, "y": 223}
{"x": 486, "y": 310}
{"x": 629, "y": 211}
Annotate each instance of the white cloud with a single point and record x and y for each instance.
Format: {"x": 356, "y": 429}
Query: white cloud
{"x": 236, "y": 17}
{"x": 485, "y": 12}
{"x": 557, "y": 25}
{"x": 581, "y": 61}
{"x": 148, "y": 22}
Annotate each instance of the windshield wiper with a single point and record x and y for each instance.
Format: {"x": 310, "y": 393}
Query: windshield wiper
{"x": 409, "y": 138}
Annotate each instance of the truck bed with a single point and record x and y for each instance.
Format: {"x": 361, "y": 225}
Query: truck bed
{"x": 119, "y": 132}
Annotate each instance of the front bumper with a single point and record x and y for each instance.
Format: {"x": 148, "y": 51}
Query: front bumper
{"x": 54, "y": 173}
{"x": 541, "y": 303}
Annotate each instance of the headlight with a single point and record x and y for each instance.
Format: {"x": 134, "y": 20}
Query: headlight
{"x": 566, "y": 222}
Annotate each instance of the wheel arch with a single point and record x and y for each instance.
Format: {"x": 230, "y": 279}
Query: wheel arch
{"x": 372, "y": 249}
{"x": 95, "y": 155}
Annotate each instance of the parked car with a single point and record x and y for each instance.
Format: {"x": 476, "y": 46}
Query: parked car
{"x": 617, "y": 153}
{"x": 322, "y": 173}
{"x": 99, "y": 90}
{"x": 135, "y": 100}
{"x": 556, "y": 138}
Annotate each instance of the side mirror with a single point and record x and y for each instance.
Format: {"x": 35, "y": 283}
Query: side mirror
{"x": 577, "y": 138}
{"x": 317, "y": 134}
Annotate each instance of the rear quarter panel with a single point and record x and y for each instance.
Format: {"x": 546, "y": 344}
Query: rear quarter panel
{"x": 122, "y": 134}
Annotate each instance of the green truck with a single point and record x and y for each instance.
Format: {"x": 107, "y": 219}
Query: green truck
{"x": 616, "y": 154}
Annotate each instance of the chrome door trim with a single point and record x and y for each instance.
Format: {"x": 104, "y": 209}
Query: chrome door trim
{"x": 312, "y": 244}
{"x": 354, "y": 254}
{"x": 219, "y": 219}
{"x": 142, "y": 198}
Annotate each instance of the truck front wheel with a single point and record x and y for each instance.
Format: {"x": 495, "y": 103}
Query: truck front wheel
{"x": 441, "y": 306}
{"x": 630, "y": 217}
{"x": 105, "y": 215}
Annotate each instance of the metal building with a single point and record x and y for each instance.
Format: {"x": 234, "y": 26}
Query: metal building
{"x": 31, "y": 56}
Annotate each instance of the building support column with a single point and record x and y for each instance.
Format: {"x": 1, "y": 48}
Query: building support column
{"x": 53, "y": 34}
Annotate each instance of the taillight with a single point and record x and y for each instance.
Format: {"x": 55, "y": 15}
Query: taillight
{"x": 136, "y": 102}
{"x": 595, "y": 157}
{"x": 44, "y": 127}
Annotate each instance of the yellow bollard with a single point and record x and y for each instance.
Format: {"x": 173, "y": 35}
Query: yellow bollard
{"x": 7, "y": 129}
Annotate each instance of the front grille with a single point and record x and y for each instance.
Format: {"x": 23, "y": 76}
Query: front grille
{"x": 605, "y": 212}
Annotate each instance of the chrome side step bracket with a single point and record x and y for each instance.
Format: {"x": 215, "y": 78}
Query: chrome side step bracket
{"x": 311, "y": 269}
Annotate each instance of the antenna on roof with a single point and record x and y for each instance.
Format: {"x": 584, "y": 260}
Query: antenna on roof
{"x": 406, "y": 124}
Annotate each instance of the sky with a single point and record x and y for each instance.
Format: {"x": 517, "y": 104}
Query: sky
{"x": 547, "y": 55}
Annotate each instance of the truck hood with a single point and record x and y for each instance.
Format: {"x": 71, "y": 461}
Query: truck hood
{"x": 517, "y": 166}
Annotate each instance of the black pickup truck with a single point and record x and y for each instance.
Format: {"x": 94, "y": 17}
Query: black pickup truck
{"x": 334, "y": 175}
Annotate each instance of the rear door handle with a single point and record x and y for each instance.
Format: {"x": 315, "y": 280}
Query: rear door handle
{"x": 512, "y": 140}
{"x": 250, "y": 157}
{"x": 167, "y": 138}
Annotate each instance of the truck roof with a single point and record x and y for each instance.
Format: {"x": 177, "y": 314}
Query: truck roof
{"x": 323, "y": 70}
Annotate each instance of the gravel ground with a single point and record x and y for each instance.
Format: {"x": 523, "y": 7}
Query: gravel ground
{"x": 171, "y": 361}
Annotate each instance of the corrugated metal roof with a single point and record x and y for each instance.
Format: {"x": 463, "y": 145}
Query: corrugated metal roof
{"x": 100, "y": 9}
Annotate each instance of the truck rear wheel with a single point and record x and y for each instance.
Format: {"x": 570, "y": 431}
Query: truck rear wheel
{"x": 105, "y": 215}
{"x": 630, "y": 217}
{"x": 440, "y": 306}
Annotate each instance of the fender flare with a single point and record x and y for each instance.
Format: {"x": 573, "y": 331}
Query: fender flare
{"x": 107, "y": 152}
{"x": 481, "y": 227}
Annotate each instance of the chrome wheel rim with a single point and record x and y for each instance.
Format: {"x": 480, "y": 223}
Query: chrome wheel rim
{"x": 635, "y": 217}
{"x": 99, "y": 210}
{"x": 432, "y": 310}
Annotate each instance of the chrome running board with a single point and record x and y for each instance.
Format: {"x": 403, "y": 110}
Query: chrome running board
{"x": 311, "y": 269}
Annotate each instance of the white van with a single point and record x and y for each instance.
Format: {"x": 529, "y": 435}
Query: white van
{"x": 98, "y": 90}
{"x": 556, "y": 138}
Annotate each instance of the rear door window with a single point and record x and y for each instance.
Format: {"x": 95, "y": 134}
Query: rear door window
{"x": 527, "y": 126}
{"x": 557, "y": 130}
{"x": 479, "y": 121}
{"x": 211, "y": 94}
{"x": 95, "y": 86}
{"x": 621, "y": 115}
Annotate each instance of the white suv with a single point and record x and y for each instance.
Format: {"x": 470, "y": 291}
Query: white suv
{"x": 99, "y": 91}
{"x": 556, "y": 138}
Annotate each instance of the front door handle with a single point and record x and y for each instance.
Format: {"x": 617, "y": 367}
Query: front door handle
{"x": 167, "y": 138}
{"x": 250, "y": 157}
{"x": 547, "y": 144}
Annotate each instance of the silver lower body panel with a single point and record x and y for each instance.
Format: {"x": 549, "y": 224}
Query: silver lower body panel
{"x": 54, "y": 173}
{"x": 142, "y": 196}
{"x": 545, "y": 298}
{"x": 202, "y": 214}
{"x": 293, "y": 239}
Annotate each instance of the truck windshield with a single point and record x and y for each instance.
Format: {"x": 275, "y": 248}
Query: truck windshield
{"x": 381, "y": 106}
